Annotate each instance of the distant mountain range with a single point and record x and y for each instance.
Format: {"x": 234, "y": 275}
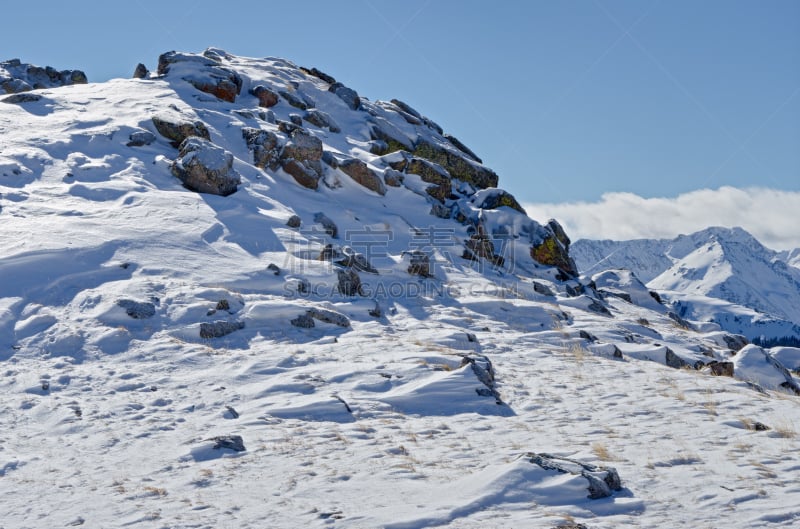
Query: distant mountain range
{"x": 719, "y": 275}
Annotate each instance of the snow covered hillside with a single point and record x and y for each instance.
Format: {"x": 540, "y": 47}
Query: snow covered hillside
{"x": 235, "y": 293}
{"x": 719, "y": 275}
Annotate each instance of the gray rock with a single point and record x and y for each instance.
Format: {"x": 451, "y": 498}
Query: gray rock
{"x": 329, "y": 253}
{"x": 680, "y": 322}
{"x": 303, "y": 146}
{"x": 219, "y": 328}
{"x": 356, "y": 260}
{"x": 361, "y": 173}
{"x": 141, "y": 72}
{"x": 293, "y": 100}
{"x": 179, "y": 131}
{"x": 348, "y": 95}
{"x": 210, "y": 77}
{"x": 735, "y": 342}
{"x": 138, "y": 310}
{"x": 294, "y": 221}
{"x": 303, "y": 321}
{"x": 265, "y": 147}
{"x": 419, "y": 263}
{"x": 230, "y": 442}
{"x": 297, "y": 119}
{"x": 318, "y": 74}
{"x": 17, "y": 99}
{"x": 327, "y": 224}
{"x": 349, "y": 283}
{"x": 408, "y": 109}
{"x": 499, "y": 199}
{"x": 140, "y": 138}
{"x": 542, "y": 289}
{"x": 321, "y": 119}
{"x": 602, "y": 481}
{"x": 484, "y": 371}
{"x": 205, "y": 168}
{"x": 272, "y": 267}
{"x": 328, "y": 316}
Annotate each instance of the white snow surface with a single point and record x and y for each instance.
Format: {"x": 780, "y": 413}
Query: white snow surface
{"x": 110, "y": 421}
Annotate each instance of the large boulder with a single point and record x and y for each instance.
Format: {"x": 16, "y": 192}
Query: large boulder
{"x": 177, "y": 131}
{"x": 321, "y": 119}
{"x": 266, "y": 98}
{"x": 348, "y": 95}
{"x": 204, "y": 72}
{"x": 301, "y": 158}
{"x": 361, "y": 173}
{"x": 205, "y": 167}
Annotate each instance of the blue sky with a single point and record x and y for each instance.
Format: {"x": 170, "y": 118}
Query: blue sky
{"x": 566, "y": 100}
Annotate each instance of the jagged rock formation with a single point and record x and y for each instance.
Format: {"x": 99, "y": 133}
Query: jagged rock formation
{"x": 16, "y": 77}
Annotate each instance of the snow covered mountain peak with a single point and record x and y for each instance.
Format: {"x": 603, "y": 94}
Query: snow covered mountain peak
{"x": 234, "y": 279}
{"x": 757, "y": 293}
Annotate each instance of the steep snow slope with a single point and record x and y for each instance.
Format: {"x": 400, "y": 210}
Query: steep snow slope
{"x": 716, "y": 274}
{"x": 414, "y": 401}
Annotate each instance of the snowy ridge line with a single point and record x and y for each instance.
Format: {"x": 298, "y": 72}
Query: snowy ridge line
{"x": 350, "y": 326}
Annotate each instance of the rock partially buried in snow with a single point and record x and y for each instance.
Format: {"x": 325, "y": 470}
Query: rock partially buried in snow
{"x": 219, "y": 328}
{"x": 229, "y": 442}
{"x": 16, "y": 76}
{"x": 265, "y": 147}
{"x": 602, "y": 481}
{"x": 204, "y": 72}
{"x": 205, "y": 168}
{"x": 178, "y": 131}
{"x": 137, "y": 310}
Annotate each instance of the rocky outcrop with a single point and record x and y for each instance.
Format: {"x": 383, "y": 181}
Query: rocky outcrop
{"x": 553, "y": 250}
{"x": 463, "y": 148}
{"x": 602, "y": 481}
{"x": 319, "y": 74}
{"x": 205, "y": 168}
{"x": 16, "y": 77}
{"x": 178, "y": 131}
{"x": 456, "y": 164}
{"x": 141, "y": 72}
{"x": 361, "y": 173}
{"x": 484, "y": 371}
{"x": 431, "y": 173}
{"x": 265, "y": 147}
{"x": 496, "y": 198}
{"x": 210, "y": 77}
{"x": 355, "y": 260}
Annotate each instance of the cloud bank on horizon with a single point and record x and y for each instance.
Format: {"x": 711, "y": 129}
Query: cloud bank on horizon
{"x": 770, "y": 215}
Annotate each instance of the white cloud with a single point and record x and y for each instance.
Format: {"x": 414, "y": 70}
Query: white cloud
{"x": 772, "y": 216}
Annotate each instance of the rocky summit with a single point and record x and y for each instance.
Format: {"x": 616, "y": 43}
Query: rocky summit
{"x": 238, "y": 292}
